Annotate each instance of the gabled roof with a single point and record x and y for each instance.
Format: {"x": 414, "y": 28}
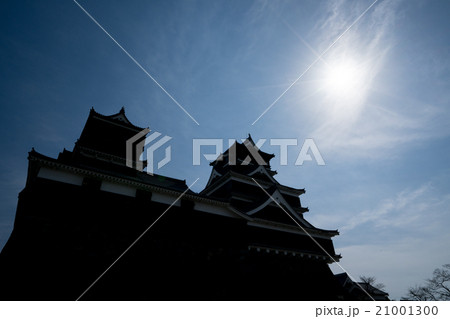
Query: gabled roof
{"x": 106, "y": 136}
{"x": 117, "y": 118}
{"x": 253, "y": 192}
{"x": 264, "y": 154}
{"x": 243, "y": 153}
{"x": 277, "y": 198}
{"x": 218, "y": 180}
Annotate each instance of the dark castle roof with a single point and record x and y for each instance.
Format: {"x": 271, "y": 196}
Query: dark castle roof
{"x": 242, "y": 176}
{"x": 79, "y": 211}
{"x": 241, "y": 153}
{"x": 119, "y": 118}
{"x": 107, "y": 134}
{"x": 101, "y": 148}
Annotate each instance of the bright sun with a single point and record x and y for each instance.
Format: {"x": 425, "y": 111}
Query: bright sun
{"x": 344, "y": 79}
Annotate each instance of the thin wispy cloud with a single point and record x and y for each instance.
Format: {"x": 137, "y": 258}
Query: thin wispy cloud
{"x": 372, "y": 122}
{"x": 343, "y": 118}
{"x": 381, "y": 132}
{"x": 387, "y": 210}
{"x": 411, "y": 210}
{"x": 385, "y": 141}
{"x": 408, "y": 229}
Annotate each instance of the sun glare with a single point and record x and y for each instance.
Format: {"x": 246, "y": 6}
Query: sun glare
{"x": 344, "y": 80}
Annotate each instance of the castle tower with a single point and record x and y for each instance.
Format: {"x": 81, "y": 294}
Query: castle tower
{"x": 242, "y": 176}
{"x": 243, "y": 237}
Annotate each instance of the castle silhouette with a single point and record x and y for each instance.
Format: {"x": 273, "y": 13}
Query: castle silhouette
{"x": 235, "y": 240}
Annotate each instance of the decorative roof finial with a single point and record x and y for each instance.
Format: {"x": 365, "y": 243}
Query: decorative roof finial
{"x": 249, "y": 138}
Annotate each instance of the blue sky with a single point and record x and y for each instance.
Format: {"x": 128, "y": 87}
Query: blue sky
{"x": 376, "y": 104}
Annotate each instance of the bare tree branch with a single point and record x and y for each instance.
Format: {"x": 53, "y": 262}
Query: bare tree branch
{"x": 436, "y": 288}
